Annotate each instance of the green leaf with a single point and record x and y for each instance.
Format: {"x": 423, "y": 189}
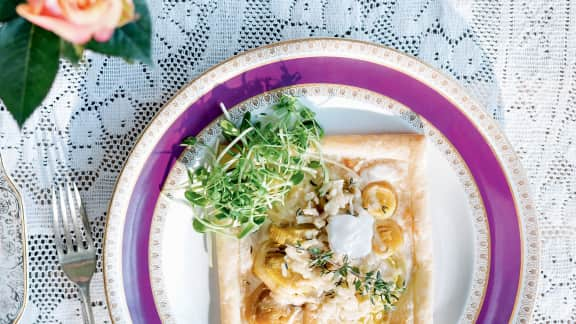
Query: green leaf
{"x": 189, "y": 141}
{"x": 314, "y": 164}
{"x": 132, "y": 41}
{"x": 314, "y": 250}
{"x": 198, "y": 225}
{"x": 297, "y": 178}
{"x": 8, "y": 9}
{"x": 247, "y": 229}
{"x": 200, "y": 172}
{"x": 190, "y": 175}
{"x": 246, "y": 121}
{"x": 369, "y": 275}
{"x": 228, "y": 128}
{"x": 70, "y": 51}
{"x": 28, "y": 65}
{"x": 358, "y": 285}
{"x": 195, "y": 198}
{"x": 259, "y": 220}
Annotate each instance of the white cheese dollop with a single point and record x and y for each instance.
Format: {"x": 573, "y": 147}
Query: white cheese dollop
{"x": 351, "y": 235}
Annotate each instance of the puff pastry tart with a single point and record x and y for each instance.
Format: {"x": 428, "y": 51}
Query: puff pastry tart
{"x": 352, "y": 246}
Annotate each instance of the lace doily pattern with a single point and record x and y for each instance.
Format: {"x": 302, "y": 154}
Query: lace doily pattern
{"x": 537, "y": 71}
{"x": 516, "y": 58}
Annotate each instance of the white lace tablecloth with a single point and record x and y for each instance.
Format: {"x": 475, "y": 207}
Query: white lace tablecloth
{"x": 517, "y": 57}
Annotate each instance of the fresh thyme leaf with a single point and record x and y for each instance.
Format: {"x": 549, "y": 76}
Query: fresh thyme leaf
{"x": 320, "y": 259}
{"x": 358, "y": 285}
{"x": 369, "y": 275}
{"x": 342, "y": 271}
{"x": 370, "y": 283}
{"x": 314, "y": 251}
{"x": 254, "y": 167}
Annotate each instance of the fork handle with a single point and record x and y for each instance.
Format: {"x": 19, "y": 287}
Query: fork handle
{"x": 86, "y": 304}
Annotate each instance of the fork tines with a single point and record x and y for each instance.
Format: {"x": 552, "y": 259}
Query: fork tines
{"x": 69, "y": 218}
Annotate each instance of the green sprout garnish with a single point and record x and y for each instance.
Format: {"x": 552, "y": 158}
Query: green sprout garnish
{"x": 258, "y": 164}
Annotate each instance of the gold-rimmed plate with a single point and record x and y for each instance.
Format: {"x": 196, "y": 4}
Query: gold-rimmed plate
{"x": 500, "y": 265}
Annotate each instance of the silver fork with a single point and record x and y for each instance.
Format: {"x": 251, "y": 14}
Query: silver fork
{"x": 74, "y": 241}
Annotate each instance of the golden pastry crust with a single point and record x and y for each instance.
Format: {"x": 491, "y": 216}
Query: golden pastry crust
{"x": 229, "y": 282}
{"x": 415, "y": 305}
{"x": 234, "y": 258}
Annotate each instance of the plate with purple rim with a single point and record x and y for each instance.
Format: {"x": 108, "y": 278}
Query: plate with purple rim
{"x": 178, "y": 256}
{"x": 152, "y": 277}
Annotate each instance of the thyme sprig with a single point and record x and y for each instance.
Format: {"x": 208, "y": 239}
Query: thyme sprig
{"x": 370, "y": 283}
{"x": 260, "y": 161}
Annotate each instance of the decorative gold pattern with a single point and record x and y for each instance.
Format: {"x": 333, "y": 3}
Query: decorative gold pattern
{"x": 314, "y": 48}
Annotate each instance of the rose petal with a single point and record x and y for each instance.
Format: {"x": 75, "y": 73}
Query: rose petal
{"x": 103, "y": 35}
{"x": 51, "y": 6}
{"x": 100, "y": 13}
{"x": 36, "y": 6}
{"x": 76, "y": 22}
{"x": 68, "y": 31}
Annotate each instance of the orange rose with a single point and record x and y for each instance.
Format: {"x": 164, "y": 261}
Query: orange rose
{"x": 78, "y": 21}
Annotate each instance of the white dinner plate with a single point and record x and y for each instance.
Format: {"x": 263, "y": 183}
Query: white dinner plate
{"x": 189, "y": 288}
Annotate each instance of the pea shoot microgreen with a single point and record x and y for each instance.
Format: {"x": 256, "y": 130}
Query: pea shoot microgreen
{"x": 258, "y": 164}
